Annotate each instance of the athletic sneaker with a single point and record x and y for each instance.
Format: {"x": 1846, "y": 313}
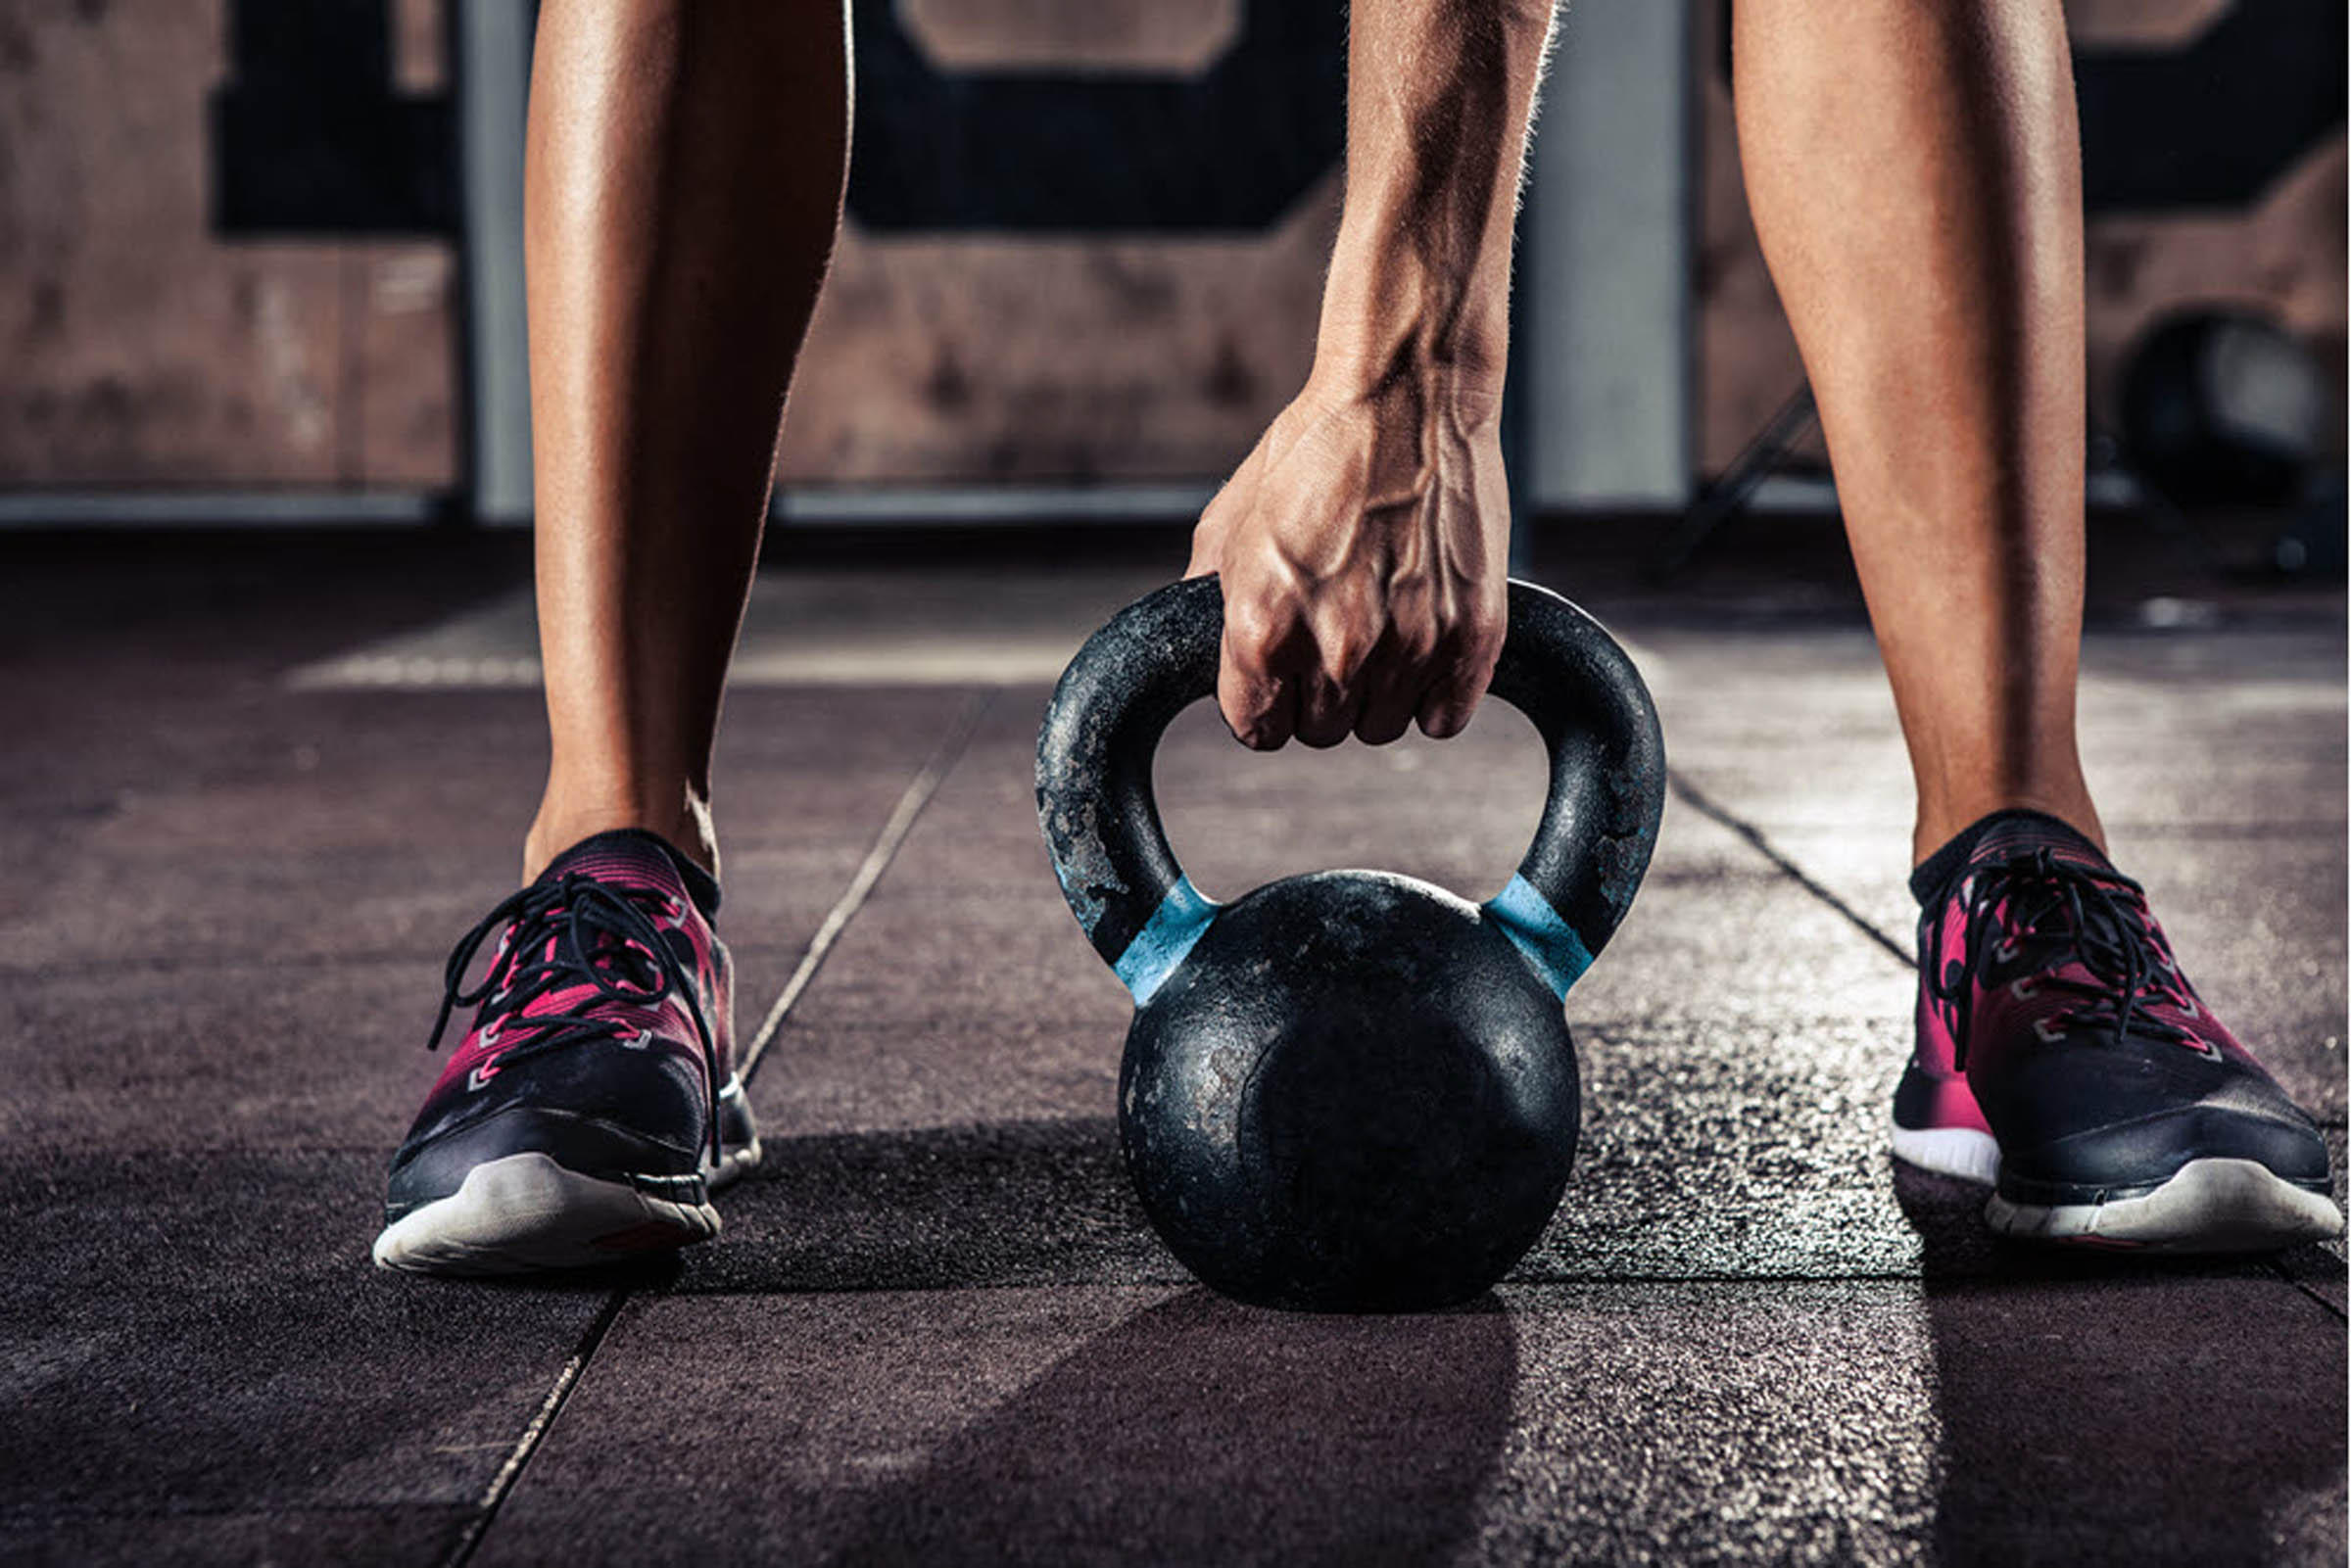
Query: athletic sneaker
{"x": 593, "y": 1105}
{"x": 2063, "y": 1058}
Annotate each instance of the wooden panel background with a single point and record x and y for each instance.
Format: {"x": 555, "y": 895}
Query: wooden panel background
{"x": 1048, "y": 358}
{"x": 139, "y": 348}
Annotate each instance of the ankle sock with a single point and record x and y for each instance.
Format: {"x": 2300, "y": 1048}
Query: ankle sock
{"x": 1936, "y": 871}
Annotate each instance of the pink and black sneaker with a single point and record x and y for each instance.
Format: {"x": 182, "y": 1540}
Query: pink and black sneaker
{"x": 2063, "y": 1058}
{"x": 593, "y": 1105}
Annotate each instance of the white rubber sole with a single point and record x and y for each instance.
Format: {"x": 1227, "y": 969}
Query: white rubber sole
{"x": 1960, "y": 1152}
{"x": 2211, "y": 1205}
{"x": 526, "y": 1214}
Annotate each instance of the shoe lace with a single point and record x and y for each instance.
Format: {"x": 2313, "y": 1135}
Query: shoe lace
{"x": 572, "y": 931}
{"x": 2094, "y": 916}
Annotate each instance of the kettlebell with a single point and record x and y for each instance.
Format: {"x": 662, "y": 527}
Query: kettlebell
{"x": 1348, "y": 1091}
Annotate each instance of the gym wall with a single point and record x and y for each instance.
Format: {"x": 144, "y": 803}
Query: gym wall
{"x": 974, "y": 330}
{"x": 225, "y": 252}
{"x": 140, "y": 343}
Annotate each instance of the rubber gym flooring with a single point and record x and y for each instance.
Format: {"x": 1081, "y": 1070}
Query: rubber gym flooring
{"x": 254, "y": 790}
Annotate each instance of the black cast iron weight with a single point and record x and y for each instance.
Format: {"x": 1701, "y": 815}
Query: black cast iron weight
{"x": 1348, "y": 1091}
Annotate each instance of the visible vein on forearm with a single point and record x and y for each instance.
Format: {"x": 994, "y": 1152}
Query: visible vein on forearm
{"x": 1440, "y": 95}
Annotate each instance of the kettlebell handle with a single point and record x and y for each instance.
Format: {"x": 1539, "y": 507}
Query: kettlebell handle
{"x": 1159, "y": 655}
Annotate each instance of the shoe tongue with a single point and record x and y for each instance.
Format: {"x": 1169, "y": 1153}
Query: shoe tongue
{"x": 625, "y": 857}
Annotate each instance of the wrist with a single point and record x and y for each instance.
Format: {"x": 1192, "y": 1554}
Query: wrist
{"x": 1393, "y": 317}
{"x": 1399, "y": 376}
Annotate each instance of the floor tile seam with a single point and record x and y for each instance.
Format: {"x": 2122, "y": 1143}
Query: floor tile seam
{"x": 2325, "y": 1306}
{"x": 899, "y": 825}
{"x": 485, "y": 1510}
{"x": 1756, "y": 839}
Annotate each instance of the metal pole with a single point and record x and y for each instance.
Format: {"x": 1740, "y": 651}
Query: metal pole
{"x": 1606, "y": 323}
{"x": 491, "y": 60}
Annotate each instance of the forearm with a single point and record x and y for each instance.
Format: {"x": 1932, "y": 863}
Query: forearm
{"x": 1439, "y": 96}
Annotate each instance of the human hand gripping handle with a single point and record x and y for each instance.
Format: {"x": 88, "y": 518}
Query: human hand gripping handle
{"x": 1157, "y": 656}
{"x": 1362, "y": 544}
{"x": 1363, "y": 548}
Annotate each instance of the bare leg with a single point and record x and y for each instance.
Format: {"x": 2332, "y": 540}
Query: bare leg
{"x": 1914, "y": 170}
{"x": 686, "y": 166}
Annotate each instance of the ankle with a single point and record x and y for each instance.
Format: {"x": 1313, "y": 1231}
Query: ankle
{"x": 683, "y": 822}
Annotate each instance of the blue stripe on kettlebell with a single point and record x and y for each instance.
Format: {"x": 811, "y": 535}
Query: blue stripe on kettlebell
{"x": 1183, "y": 915}
{"x": 1535, "y": 929}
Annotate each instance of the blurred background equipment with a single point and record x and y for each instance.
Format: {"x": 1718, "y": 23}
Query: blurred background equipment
{"x": 260, "y": 259}
{"x": 2223, "y": 407}
{"x": 2313, "y": 542}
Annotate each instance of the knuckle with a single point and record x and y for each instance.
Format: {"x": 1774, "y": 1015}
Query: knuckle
{"x": 1346, "y": 639}
{"x": 1255, "y": 727}
{"x": 1244, "y": 693}
{"x": 1254, "y": 625}
{"x": 1490, "y": 624}
{"x": 1417, "y": 641}
{"x": 1473, "y": 648}
{"x": 1344, "y": 654}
